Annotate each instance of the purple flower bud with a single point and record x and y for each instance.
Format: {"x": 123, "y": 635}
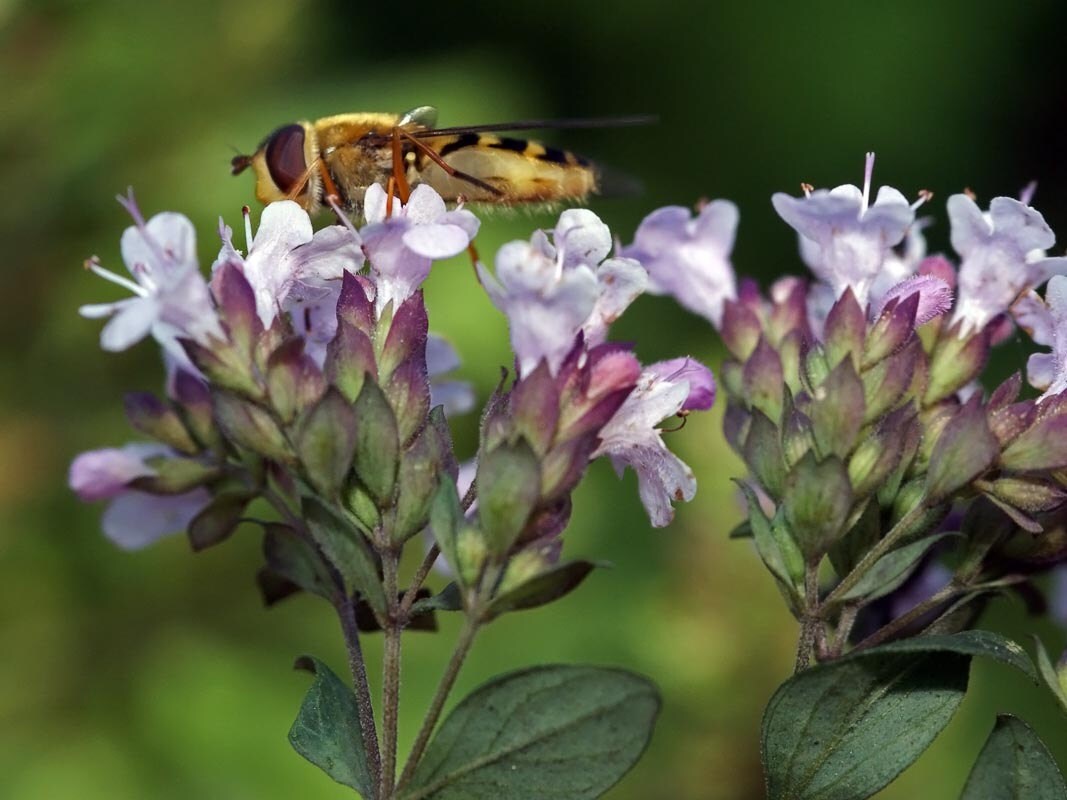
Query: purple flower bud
{"x": 935, "y": 297}
{"x": 104, "y": 474}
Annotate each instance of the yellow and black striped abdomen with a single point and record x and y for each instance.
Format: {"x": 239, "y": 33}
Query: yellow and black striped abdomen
{"x": 522, "y": 171}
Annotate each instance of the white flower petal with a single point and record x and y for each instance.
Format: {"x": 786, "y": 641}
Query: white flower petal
{"x": 581, "y": 237}
{"x": 167, "y": 243}
{"x": 130, "y": 324}
{"x": 436, "y": 241}
{"x": 424, "y": 206}
{"x": 136, "y": 519}
{"x": 1022, "y": 223}
{"x": 969, "y": 227}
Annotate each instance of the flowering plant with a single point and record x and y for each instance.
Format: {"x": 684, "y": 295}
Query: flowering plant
{"x": 888, "y": 496}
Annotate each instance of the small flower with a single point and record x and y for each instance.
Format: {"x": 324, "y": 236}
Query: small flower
{"x": 850, "y": 239}
{"x": 402, "y": 246}
{"x": 133, "y": 519}
{"x": 631, "y": 438}
{"x": 689, "y": 258}
{"x": 290, "y": 266}
{"x": 552, "y": 291}
{"x": 171, "y": 298}
{"x": 1046, "y": 322}
{"x": 1002, "y": 256}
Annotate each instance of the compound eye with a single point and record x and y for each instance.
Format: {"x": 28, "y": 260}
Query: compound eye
{"x": 285, "y": 156}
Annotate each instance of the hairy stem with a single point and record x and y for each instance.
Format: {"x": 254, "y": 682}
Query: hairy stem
{"x": 444, "y": 688}
{"x": 346, "y": 612}
{"x": 884, "y": 545}
{"x": 810, "y": 621}
{"x": 844, "y": 629}
{"x": 390, "y": 676}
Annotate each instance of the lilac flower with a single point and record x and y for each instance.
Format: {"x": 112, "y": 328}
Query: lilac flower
{"x": 849, "y": 240}
{"x": 401, "y": 247}
{"x": 171, "y": 298}
{"x": 551, "y": 291}
{"x": 133, "y": 519}
{"x": 631, "y": 438}
{"x": 689, "y": 258}
{"x": 291, "y": 267}
{"x": 1002, "y": 256}
{"x": 1046, "y": 322}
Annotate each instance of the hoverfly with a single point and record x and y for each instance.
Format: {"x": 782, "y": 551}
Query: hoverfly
{"x": 336, "y": 159}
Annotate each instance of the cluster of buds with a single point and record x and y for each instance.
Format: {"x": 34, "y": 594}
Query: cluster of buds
{"x": 856, "y": 405}
{"x": 304, "y": 374}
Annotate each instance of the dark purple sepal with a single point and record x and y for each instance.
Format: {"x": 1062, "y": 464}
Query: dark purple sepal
{"x": 155, "y": 417}
{"x": 535, "y": 407}
{"x": 237, "y": 307}
{"x": 741, "y": 329}
{"x": 955, "y": 362}
{"x": 406, "y": 335}
{"x": 218, "y": 520}
{"x": 355, "y": 305}
{"x": 837, "y": 411}
{"x": 763, "y": 380}
{"x": 1042, "y": 446}
{"x": 224, "y": 366}
{"x": 349, "y": 359}
{"x": 326, "y": 441}
{"x": 176, "y": 475}
{"x": 891, "y": 330}
{"x": 1033, "y": 495}
{"x": 790, "y": 314}
{"x": 193, "y": 399}
{"x": 294, "y": 380}
{"x": 965, "y": 449}
{"x": 735, "y": 423}
{"x": 408, "y": 390}
{"x": 594, "y": 416}
{"x": 762, "y": 453}
{"x": 377, "y": 441}
{"x": 1009, "y": 421}
{"x": 563, "y": 466}
{"x": 845, "y": 330}
{"x": 251, "y": 427}
{"x": 1006, "y": 393}
{"x": 887, "y": 382}
{"x": 421, "y": 468}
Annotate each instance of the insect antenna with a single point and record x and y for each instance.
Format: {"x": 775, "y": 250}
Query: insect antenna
{"x": 541, "y": 124}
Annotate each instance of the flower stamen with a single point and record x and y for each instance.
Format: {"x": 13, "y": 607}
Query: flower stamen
{"x": 868, "y": 173}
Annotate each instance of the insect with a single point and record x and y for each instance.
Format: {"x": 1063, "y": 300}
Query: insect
{"x": 336, "y": 159}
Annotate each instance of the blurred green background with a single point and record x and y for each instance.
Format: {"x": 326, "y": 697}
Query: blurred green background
{"x": 157, "y": 674}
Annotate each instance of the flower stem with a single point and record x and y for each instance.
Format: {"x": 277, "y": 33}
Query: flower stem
{"x": 390, "y": 677}
{"x": 417, "y": 580}
{"x": 448, "y": 680}
{"x": 884, "y": 545}
{"x": 890, "y": 629}
{"x": 346, "y": 612}
{"x": 810, "y": 621}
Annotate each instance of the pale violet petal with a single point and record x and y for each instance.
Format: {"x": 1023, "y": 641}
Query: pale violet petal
{"x": 167, "y": 243}
{"x": 436, "y": 241}
{"x": 1025, "y": 225}
{"x": 581, "y": 237}
{"x": 374, "y": 204}
{"x": 136, "y": 519}
{"x": 621, "y": 281}
{"x": 969, "y": 227}
{"x": 130, "y": 324}
{"x": 424, "y": 206}
{"x": 1041, "y": 370}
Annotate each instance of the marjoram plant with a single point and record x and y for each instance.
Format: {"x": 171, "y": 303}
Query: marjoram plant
{"x": 889, "y": 496}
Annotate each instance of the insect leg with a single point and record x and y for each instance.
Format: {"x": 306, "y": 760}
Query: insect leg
{"x": 331, "y": 191}
{"x": 403, "y": 190}
{"x": 432, "y": 154}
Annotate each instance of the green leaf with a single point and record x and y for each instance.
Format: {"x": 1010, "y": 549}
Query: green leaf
{"x": 509, "y": 486}
{"x": 347, "y": 550}
{"x": 844, "y": 729}
{"x": 1014, "y": 763}
{"x": 778, "y": 551}
{"x": 540, "y": 734}
{"x": 294, "y": 559}
{"x": 448, "y": 599}
{"x": 549, "y": 585}
{"x": 892, "y": 569}
{"x": 1049, "y": 675}
{"x": 327, "y": 731}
